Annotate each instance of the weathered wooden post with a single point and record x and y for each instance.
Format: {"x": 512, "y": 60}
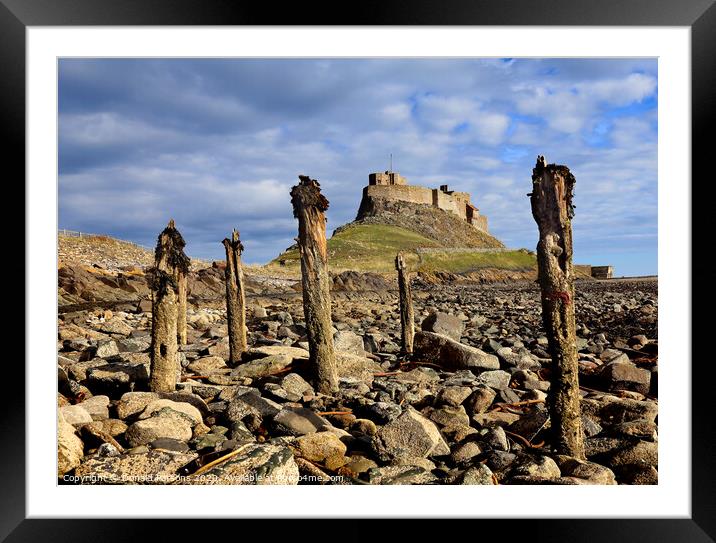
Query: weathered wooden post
{"x": 309, "y": 207}
{"x": 169, "y": 262}
{"x": 406, "y": 305}
{"x": 235, "y": 299}
{"x": 552, "y": 209}
{"x": 181, "y": 307}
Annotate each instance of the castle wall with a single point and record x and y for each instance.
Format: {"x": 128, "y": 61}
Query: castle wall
{"x": 407, "y": 193}
{"x": 381, "y": 186}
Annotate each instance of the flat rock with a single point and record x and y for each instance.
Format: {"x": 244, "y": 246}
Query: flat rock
{"x": 156, "y": 406}
{"x": 262, "y": 367}
{"x": 256, "y": 464}
{"x": 133, "y": 403}
{"x": 76, "y": 415}
{"x": 145, "y": 431}
{"x": 97, "y": 407}
{"x": 400, "y": 475}
{"x": 206, "y": 365}
{"x": 495, "y": 379}
{"x": 297, "y": 421}
{"x": 149, "y": 467}
{"x": 294, "y": 353}
{"x": 478, "y": 475}
{"x": 450, "y": 354}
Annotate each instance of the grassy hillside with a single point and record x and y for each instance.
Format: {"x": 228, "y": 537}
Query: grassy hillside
{"x": 372, "y": 247}
{"x": 466, "y": 262}
{"x": 363, "y": 247}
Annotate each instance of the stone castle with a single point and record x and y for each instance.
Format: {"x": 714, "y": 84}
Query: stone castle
{"x": 392, "y": 186}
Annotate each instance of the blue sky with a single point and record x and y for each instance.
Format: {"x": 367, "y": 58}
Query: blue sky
{"x": 217, "y": 144}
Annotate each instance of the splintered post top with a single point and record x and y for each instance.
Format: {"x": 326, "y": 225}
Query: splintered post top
{"x": 399, "y": 262}
{"x": 307, "y": 194}
{"x": 234, "y": 242}
{"x": 170, "y": 248}
{"x": 560, "y": 189}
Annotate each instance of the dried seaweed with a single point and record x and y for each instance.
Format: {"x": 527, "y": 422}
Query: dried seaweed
{"x": 175, "y": 256}
{"x": 162, "y": 282}
{"x": 307, "y": 194}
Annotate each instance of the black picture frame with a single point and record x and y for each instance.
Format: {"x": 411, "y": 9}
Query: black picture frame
{"x": 699, "y": 15}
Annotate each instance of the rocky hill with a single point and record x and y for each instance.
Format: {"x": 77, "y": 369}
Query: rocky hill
{"x": 444, "y": 228}
{"x": 385, "y": 226}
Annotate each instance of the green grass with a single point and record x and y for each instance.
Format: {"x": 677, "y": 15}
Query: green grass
{"x": 364, "y": 247}
{"x": 372, "y": 247}
{"x": 467, "y": 261}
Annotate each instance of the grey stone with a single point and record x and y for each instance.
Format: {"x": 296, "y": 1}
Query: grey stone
{"x": 256, "y": 464}
{"x": 297, "y": 421}
{"x": 97, "y": 407}
{"x": 442, "y": 323}
{"x": 350, "y": 342}
{"x": 262, "y": 367}
{"x": 626, "y": 376}
{"x": 400, "y": 475}
{"x": 478, "y": 475}
{"x": 497, "y": 379}
{"x": 411, "y": 434}
{"x": 450, "y": 354}
{"x": 538, "y": 466}
{"x": 106, "y": 348}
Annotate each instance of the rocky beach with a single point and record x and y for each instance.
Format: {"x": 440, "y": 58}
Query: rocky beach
{"x": 468, "y": 407}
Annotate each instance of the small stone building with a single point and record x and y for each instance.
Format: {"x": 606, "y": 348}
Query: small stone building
{"x": 602, "y": 272}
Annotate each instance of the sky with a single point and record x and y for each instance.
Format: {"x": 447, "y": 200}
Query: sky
{"x": 218, "y": 144}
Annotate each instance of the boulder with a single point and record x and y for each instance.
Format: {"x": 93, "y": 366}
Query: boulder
{"x": 97, "y": 407}
{"x": 262, "y": 367}
{"x": 298, "y": 421}
{"x": 147, "y": 467}
{"x": 324, "y": 447}
{"x": 207, "y": 365}
{"x": 450, "y": 354}
{"x": 181, "y": 407}
{"x": 626, "y": 376}
{"x": 350, "y": 342}
{"x": 70, "y": 449}
{"x": 255, "y": 464}
{"x": 145, "y": 431}
{"x": 133, "y": 403}
{"x": 75, "y": 415}
{"x": 496, "y": 379}
{"x": 444, "y": 324}
{"x": 411, "y": 434}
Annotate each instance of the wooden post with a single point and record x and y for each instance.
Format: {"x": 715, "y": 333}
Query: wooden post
{"x": 309, "y": 207}
{"x": 170, "y": 263}
{"x": 235, "y": 299}
{"x": 181, "y": 307}
{"x": 552, "y": 209}
{"x": 406, "y": 305}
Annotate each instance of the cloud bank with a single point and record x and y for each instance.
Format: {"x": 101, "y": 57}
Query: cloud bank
{"x": 217, "y": 144}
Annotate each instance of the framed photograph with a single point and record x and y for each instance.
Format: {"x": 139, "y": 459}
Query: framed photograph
{"x": 405, "y": 263}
